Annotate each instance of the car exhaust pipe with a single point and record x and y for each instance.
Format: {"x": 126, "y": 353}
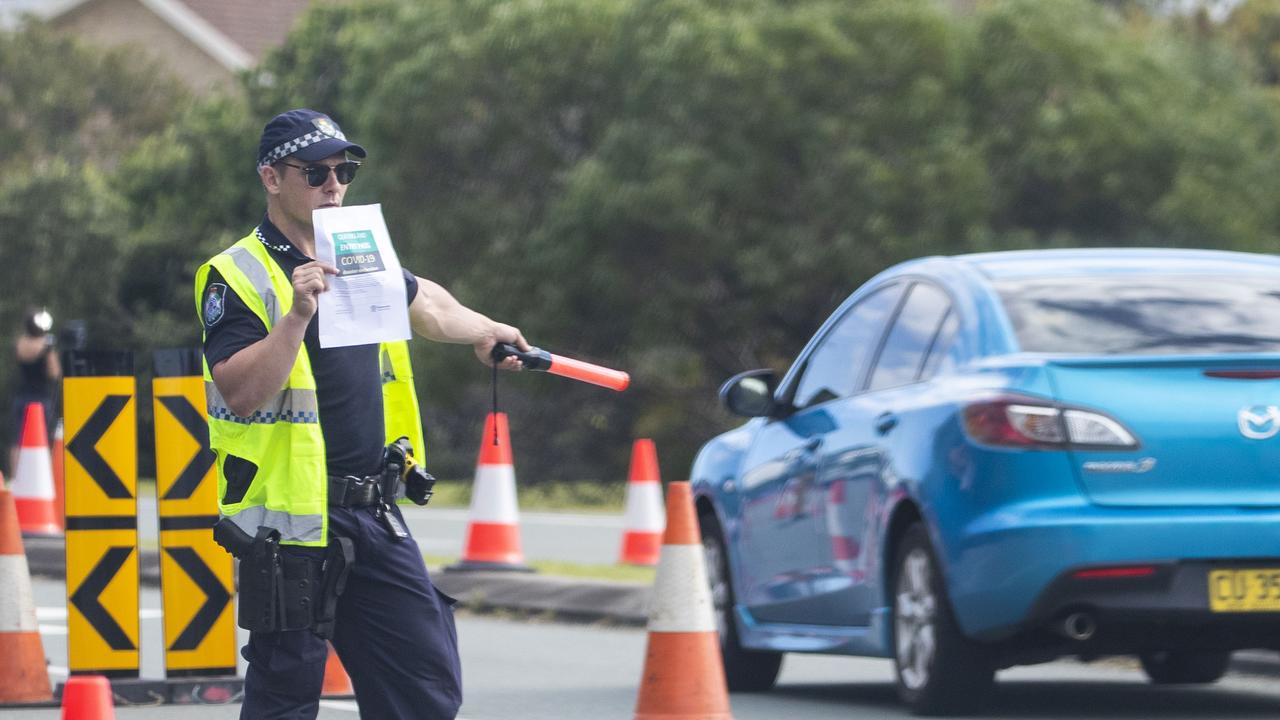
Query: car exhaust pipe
{"x": 1078, "y": 626}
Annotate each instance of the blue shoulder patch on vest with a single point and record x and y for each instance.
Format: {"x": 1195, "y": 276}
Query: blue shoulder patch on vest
{"x": 215, "y": 303}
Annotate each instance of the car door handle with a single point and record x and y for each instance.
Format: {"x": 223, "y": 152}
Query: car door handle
{"x": 886, "y": 422}
{"x": 796, "y": 453}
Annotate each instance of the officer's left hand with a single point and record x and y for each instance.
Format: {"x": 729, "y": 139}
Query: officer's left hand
{"x": 507, "y": 334}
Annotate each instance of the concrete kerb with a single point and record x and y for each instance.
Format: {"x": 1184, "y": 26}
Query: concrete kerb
{"x": 578, "y": 600}
{"x": 529, "y": 594}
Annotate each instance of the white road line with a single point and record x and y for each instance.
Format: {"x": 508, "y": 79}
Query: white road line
{"x": 349, "y": 706}
{"x": 533, "y": 518}
{"x": 59, "y": 612}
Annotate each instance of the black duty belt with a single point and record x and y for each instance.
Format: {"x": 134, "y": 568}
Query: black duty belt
{"x": 352, "y": 491}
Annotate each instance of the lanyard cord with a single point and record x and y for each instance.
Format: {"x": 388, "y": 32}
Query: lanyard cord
{"x": 494, "y": 384}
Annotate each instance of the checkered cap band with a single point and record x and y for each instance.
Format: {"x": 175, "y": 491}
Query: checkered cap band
{"x": 290, "y": 147}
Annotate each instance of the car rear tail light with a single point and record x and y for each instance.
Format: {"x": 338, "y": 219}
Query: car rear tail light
{"x": 1111, "y": 573}
{"x": 1017, "y": 422}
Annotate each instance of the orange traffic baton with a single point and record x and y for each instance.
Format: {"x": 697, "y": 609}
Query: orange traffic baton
{"x": 537, "y": 359}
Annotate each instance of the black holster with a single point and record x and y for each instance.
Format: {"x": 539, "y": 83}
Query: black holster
{"x": 397, "y": 461}
{"x": 261, "y": 574}
{"x": 285, "y": 590}
{"x": 338, "y": 559}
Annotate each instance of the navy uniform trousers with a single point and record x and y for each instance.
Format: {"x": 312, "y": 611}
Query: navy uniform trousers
{"x": 394, "y": 634}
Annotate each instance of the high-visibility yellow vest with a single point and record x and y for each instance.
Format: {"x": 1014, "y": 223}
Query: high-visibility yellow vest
{"x": 271, "y": 465}
{"x": 399, "y": 401}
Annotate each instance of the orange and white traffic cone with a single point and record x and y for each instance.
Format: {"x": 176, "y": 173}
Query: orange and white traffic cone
{"x": 32, "y": 484}
{"x": 683, "y": 672}
{"x": 644, "y": 519}
{"x": 59, "y": 481}
{"x": 493, "y": 533}
{"x": 23, "y": 677}
{"x": 336, "y": 681}
{"x": 88, "y": 697}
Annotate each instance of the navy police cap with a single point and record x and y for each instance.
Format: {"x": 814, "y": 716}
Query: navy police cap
{"x": 304, "y": 134}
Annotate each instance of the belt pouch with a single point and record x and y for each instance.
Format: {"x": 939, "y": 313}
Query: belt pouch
{"x": 298, "y": 589}
{"x": 260, "y": 575}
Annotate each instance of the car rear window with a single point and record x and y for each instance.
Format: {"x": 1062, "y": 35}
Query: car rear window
{"x": 1130, "y": 314}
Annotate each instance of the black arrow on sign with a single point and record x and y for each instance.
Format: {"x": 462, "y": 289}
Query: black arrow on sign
{"x": 216, "y": 598}
{"x": 83, "y": 447}
{"x": 85, "y": 598}
{"x": 193, "y": 422}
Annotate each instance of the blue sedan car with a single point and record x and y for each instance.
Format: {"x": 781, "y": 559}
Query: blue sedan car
{"x": 999, "y": 459}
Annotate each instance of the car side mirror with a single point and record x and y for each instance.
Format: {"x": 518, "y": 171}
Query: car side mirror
{"x": 750, "y": 394}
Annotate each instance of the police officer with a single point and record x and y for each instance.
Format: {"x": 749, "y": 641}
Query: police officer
{"x": 299, "y": 432}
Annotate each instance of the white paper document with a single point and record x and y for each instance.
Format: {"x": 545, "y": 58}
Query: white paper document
{"x": 365, "y": 303}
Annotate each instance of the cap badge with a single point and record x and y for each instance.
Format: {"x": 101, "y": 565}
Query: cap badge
{"x": 326, "y": 126}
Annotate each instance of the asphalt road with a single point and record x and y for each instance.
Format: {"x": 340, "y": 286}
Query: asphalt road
{"x": 532, "y": 670}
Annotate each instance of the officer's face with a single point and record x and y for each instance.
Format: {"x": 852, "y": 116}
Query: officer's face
{"x": 288, "y": 183}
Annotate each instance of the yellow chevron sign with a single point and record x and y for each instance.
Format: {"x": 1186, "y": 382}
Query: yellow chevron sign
{"x": 196, "y": 574}
{"x": 100, "y": 466}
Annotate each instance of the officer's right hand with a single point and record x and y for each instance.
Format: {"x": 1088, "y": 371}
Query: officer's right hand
{"x": 309, "y": 281}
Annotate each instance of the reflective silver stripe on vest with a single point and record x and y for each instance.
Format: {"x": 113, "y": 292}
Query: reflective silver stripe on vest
{"x": 293, "y": 406}
{"x": 293, "y": 528}
{"x": 259, "y": 278}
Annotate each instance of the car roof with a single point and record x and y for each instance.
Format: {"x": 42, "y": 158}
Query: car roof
{"x": 1095, "y": 261}
{"x": 972, "y": 278}
{"x": 975, "y": 276}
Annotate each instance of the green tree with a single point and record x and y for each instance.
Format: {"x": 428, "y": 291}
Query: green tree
{"x": 68, "y": 113}
{"x": 1098, "y": 133}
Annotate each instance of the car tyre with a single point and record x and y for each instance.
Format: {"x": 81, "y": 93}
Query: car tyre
{"x": 939, "y": 671}
{"x": 745, "y": 670}
{"x": 1182, "y": 667}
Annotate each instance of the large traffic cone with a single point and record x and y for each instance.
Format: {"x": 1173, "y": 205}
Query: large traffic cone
{"x": 23, "y": 677}
{"x": 87, "y": 697}
{"x": 32, "y": 484}
{"x": 336, "y": 681}
{"x": 644, "y": 519}
{"x": 59, "y": 481}
{"x": 493, "y": 533}
{"x": 683, "y": 672}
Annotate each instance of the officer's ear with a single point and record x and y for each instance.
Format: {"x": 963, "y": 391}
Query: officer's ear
{"x": 271, "y": 179}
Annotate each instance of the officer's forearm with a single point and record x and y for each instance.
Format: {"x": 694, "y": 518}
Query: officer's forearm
{"x": 437, "y": 315}
{"x": 250, "y": 377}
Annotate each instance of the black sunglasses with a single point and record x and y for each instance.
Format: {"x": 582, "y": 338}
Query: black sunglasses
{"x": 317, "y": 174}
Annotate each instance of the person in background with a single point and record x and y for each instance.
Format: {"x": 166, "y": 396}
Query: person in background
{"x": 38, "y": 373}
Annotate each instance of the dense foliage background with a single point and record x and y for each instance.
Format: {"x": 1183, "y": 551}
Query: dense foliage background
{"x": 680, "y": 188}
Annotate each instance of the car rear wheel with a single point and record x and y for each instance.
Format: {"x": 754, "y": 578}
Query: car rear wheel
{"x": 745, "y": 670}
{"x": 1185, "y": 667}
{"x": 939, "y": 670}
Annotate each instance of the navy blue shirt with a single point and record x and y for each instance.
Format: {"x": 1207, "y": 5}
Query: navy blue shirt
{"x": 348, "y": 379}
